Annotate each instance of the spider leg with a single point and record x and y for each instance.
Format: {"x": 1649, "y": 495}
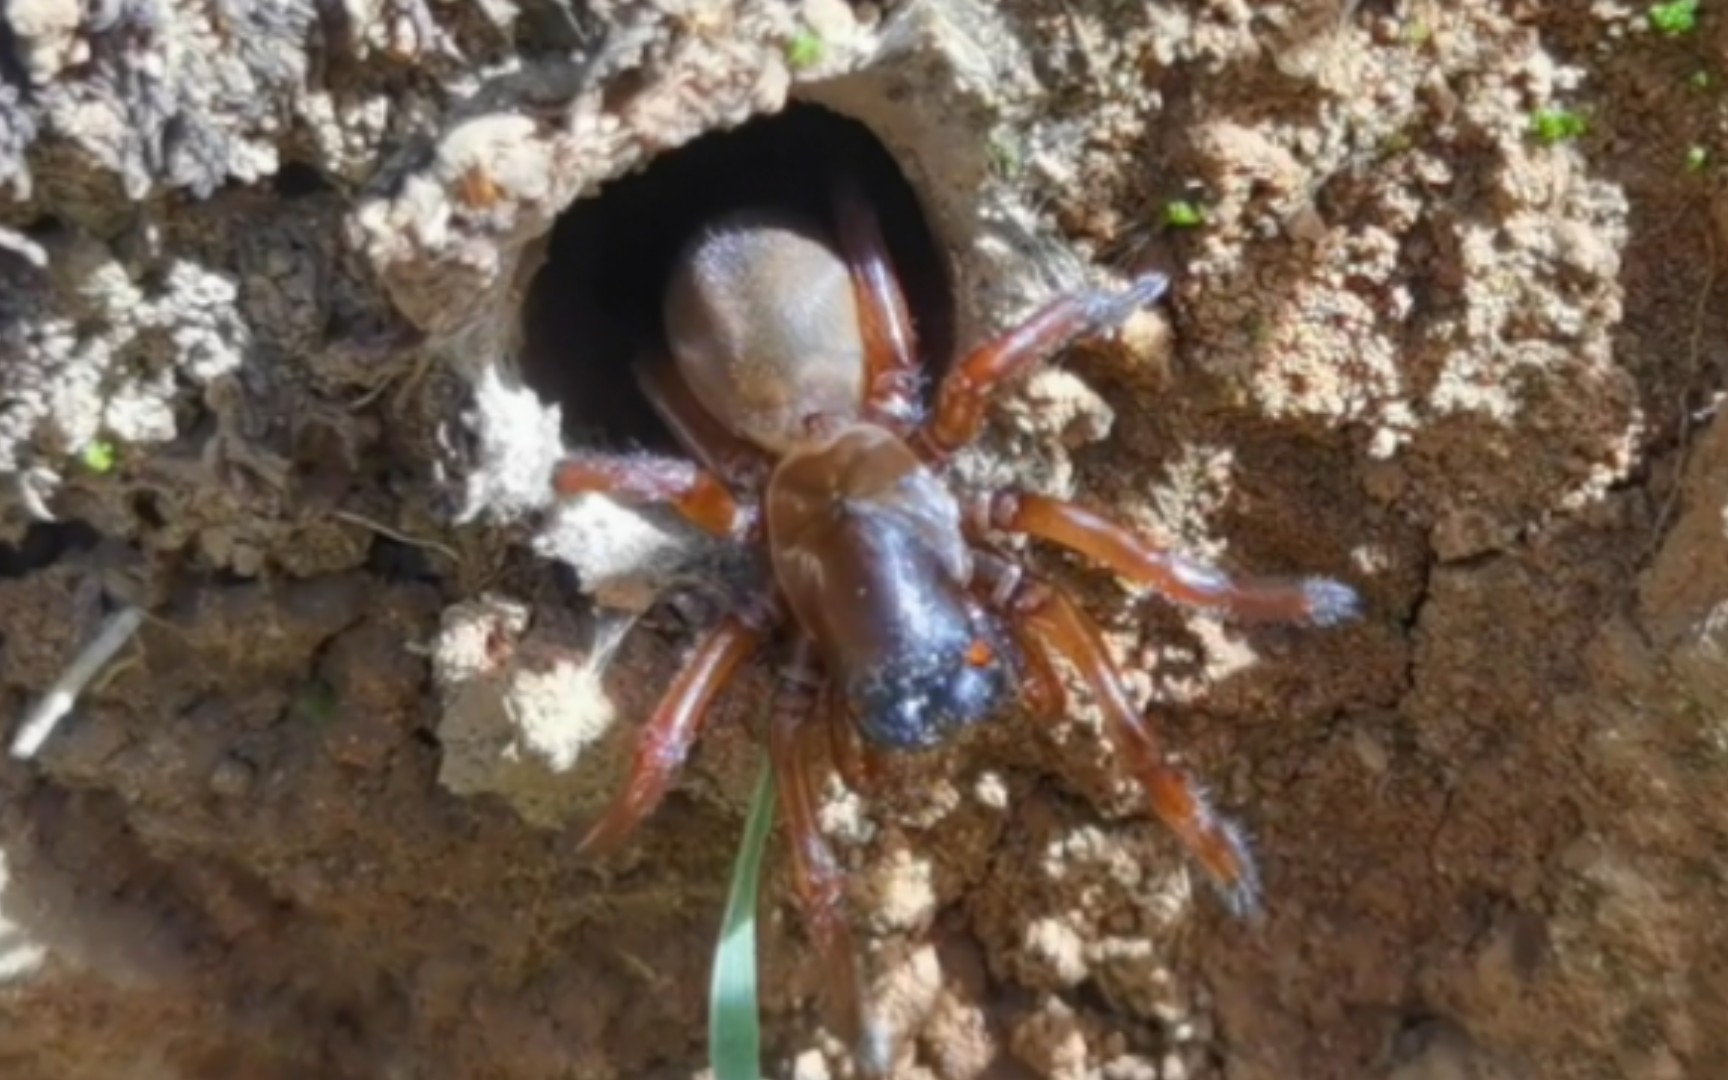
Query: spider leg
{"x": 1181, "y": 580}
{"x": 885, "y": 321}
{"x": 694, "y": 492}
{"x": 817, "y": 877}
{"x": 999, "y": 578}
{"x": 672, "y": 729}
{"x": 728, "y": 456}
{"x": 960, "y": 401}
{"x": 1047, "y": 622}
{"x": 859, "y": 766}
{"x": 1043, "y": 689}
{"x": 699, "y": 492}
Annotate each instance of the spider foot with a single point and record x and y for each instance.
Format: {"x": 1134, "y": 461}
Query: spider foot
{"x": 1103, "y": 312}
{"x": 875, "y": 1048}
{"x": 1242, "y": 894}
{"x": 1330, "y": 603}
{"x": 1216, "y": 842}
{"x": 1147, "y": 289}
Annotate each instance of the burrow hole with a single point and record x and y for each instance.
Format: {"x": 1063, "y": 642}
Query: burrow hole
{"x": 45, "y": 543}
{"x": 595, "y": 304}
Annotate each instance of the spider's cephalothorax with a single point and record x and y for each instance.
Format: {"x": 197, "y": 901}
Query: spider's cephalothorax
{"x": 867, "y": 548}
{"x": 790, "y": 355}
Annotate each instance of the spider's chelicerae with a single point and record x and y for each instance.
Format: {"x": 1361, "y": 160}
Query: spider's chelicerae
{"x": 790, "y": 377}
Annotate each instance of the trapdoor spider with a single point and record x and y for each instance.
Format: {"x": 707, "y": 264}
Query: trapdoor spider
{"x": 790, "y": 376}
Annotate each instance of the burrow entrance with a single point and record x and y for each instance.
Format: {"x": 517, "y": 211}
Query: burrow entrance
{"x": 595, "y": 303}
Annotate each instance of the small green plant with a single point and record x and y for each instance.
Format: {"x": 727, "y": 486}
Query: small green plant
{"x": 1259, "y": 330}
{"x": 1696, "y": 158}
{"x": 314, "y": 702}
{"x": 805, "y": 50}
{"x": 1005, "y": 160}
{"x": 1553, "y": 126}
{"x": 1183, "y": 214}
{"x": 734, "y": 1017}
{"x": 100, "y": 457}
{"x": 1397, "y": 143}
{"x": 1699, "y": 80}
{"x": 1674, "y": 19}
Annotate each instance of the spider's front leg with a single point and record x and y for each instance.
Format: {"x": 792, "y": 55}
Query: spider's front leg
{"x": 673, "y": 727}
{"x": 964, "y": 393}
{"x": 1048, "y": 624}
{"x": 859, "y": 765}
{"x": 1315, "y": 601}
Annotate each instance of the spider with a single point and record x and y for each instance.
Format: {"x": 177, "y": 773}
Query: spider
{"x": 789, "y": 374}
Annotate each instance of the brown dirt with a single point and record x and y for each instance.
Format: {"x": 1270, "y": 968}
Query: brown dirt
{"x": 293, "y": 831}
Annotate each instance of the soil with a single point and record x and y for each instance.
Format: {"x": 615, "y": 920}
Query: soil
{"x": 294, "y": 323}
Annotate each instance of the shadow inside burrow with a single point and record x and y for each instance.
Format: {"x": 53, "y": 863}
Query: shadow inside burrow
{"x": 594, "y": 307}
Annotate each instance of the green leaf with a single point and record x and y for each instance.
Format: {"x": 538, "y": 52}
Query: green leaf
{"x": 805, "y": 50}
{"x": 314, "y": 702}
{"x": 1551, "y": 126}
{"x": 734, "y": 1021}
{"x": 1675, "y": 18}
{"x": 1182, "y": 214}
{"x": 100, "y": 456}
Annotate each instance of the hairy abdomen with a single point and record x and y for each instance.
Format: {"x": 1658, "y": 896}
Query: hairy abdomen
{"x": 762, "y": 322}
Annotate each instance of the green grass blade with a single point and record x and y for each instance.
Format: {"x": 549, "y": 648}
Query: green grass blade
{"x": 734, "y": 1019}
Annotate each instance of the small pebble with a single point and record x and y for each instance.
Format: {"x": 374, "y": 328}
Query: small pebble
{"x": 810, "y": 1066}
{"x": 1369, "y": 752}
{"x": 232, "y": 778}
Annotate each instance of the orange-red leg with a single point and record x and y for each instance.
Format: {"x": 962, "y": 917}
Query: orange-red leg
{"x": 885, "y": 322}
{"x": 859, "y": 766}
{"x": 960, "y": 402}
{"x": 1048, "y": 622}
{"x": 817, "y": 876}
{"x": 1181, "y": 580}
{"x": 999, "y": 580}
{"x": 1043, "y": 689}
{"x": 644, "y": 478}
{"x": 728, "y": 456}
{"x": 672, "y": 729}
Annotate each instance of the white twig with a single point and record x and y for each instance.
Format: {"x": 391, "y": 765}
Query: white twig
{"x": 45, "y": 716}
{"x": 400, "y": 537}
{"x": 30, "y": 484}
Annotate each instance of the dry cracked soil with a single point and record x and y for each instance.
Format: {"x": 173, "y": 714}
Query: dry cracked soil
{"x": 300, "y": 302}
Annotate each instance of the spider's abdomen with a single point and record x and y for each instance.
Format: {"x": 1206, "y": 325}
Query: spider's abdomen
{"x": 762, "y": 320}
